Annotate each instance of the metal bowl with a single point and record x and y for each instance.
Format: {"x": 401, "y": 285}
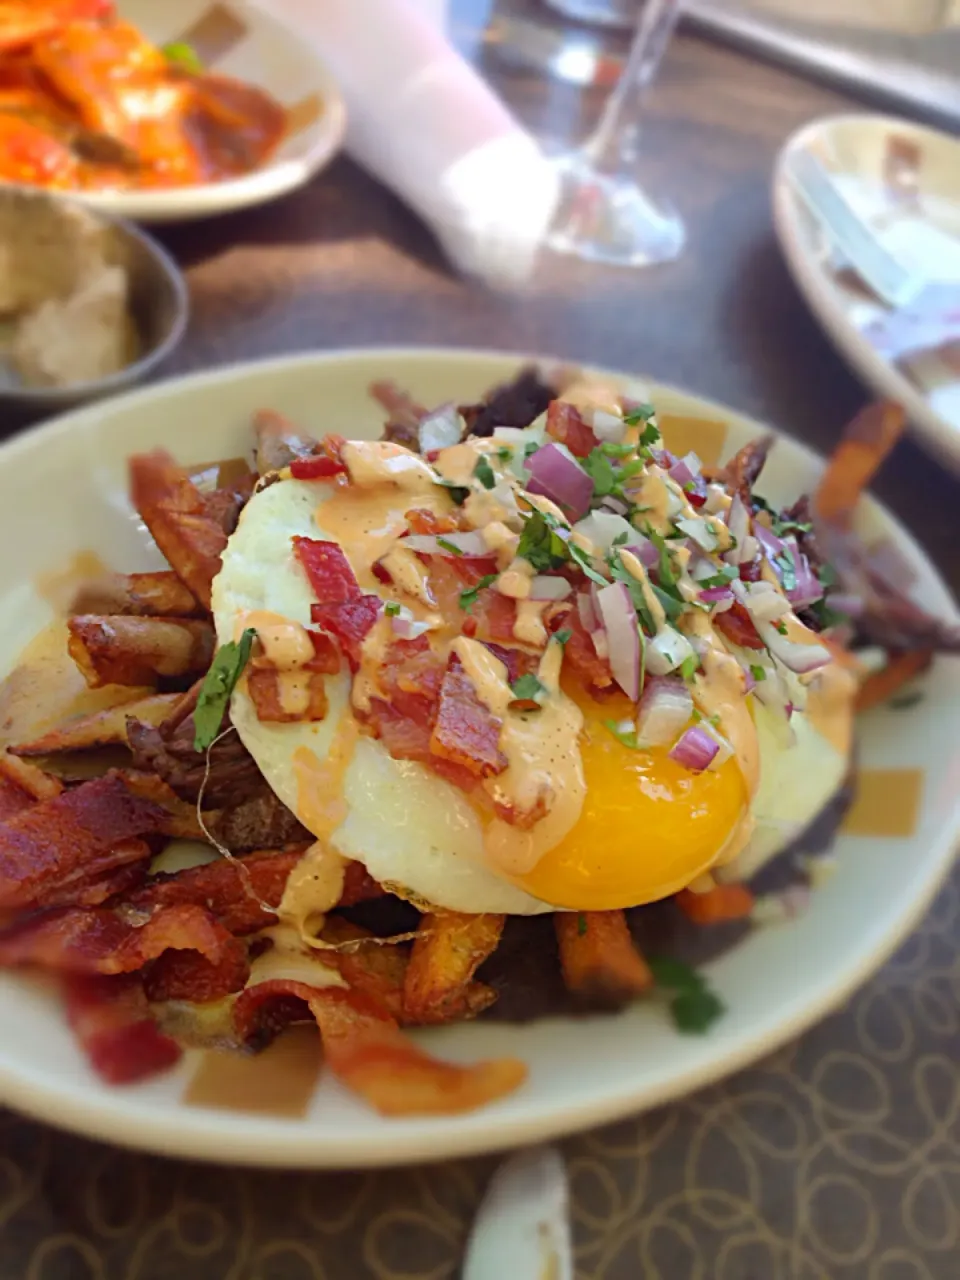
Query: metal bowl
{"x": 158, "y": 304}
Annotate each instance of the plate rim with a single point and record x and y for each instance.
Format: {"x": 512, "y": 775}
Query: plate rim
{"x": 225, "y": 1137}
{"x": 867, "y": 365}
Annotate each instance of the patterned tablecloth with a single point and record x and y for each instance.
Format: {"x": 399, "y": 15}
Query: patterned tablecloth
{"x": 838, "y": 1157}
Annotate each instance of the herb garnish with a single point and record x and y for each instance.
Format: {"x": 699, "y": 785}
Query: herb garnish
{"x": 580, "y": 558}
{"x": 581, "y": 924}
{"x": 540, "y": 544}
{"x": 787, "y": 565}
{"x": 759, "y": 673}
{"x": 219, "y": 682}
{"x": 183, "y": 56}
{"x": 689, "y": 667}
{"x": 693, "y": 1005}
{"x": 391, "y": 608}
{"x": 626, "y": 737}
{"x": 458, "y": 493}
{"x": 601, "y": 471}
{"x": 484, "y": 472}
{"x": 563, "y": 635}
{"x": 528, "y": 688}
{"x": 468, "y": 598}
{"x": 449, "y": 546}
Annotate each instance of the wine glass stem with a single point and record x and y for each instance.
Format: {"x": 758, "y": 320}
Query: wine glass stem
{"x": 613, "y": 145}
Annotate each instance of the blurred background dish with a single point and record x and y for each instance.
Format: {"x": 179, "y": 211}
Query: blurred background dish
{"x": 903, "y": 181}
{"x": 89, "y": 304}
{"x": 162, "y": 112}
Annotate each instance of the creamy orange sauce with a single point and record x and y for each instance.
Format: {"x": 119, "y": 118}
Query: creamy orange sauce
{"x": 410, "y": 575}
{"x": 286, "y": 644}
{"x": 314, "y": 887}
{"x": 366, "y": 682}
{"x": 529, "y": 627}
{"x": 46, "y": 689}
{"x": 542, "y": 758}
{"x": 590, "y": 394}
{"x": 636, "y": 571}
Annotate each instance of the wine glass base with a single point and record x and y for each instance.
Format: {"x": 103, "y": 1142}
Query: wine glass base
{"x": 609, "y": 219}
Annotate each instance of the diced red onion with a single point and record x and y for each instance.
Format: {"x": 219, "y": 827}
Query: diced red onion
{"x": 700, "y": 531}
{"x": 799, "y": 658}
{"x": 665, "y": 709}
{"x": 470, "y": 544}
{"x": 721, "y": 597}
{"x": 772, "y": 545}
{"x": 808, "y": 588}
{"x": 543, "y": 587}
{"x": 666, "y": 651}
{"x": 587, "y": 612}
{"x": 738, "y": 522}
{"x": 602, "y": 528}
{"x": 686, "y": 470}
{"x": 608, "y": 427}
{"x": 623, "y": 636}
{"x": 615, "y": 505}
{"x": 556, "y": 474}
{"x": 440, "y": 429}
{"x": 644, "y": 550}
{"x": 696, "y": 750}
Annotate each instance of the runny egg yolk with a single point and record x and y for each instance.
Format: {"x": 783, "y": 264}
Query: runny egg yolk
{"x": 648, "y": 826}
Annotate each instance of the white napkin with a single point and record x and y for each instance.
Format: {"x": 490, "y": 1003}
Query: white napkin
{"x": 423, "y": 122}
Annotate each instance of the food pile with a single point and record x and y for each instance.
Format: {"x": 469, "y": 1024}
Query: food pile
{"x": 88, "y": 103}
{"x": 445, "y": 709}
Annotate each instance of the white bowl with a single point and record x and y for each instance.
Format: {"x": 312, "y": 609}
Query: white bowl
{"x": 854, "y": 146}
{"x": 249, "y": 45}
{"x": 63, "y": 490}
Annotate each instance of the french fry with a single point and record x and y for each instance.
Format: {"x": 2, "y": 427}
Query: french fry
{"x": 722, "y": 902}
{"x": 446, "y": 953}
{"x": 900, "y": 670}
{"x": 148, "y": 595}
{"x": 114, "y": 649}
{"x": 101, "y": 729}
{"x": 174, "y": 511}
{"x": 374, "y": 968}
{"x": 865, "y": 444}
{"x": 598, "y": 956}
{"x": 29, "y": 777}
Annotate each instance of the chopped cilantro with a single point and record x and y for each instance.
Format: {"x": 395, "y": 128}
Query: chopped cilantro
{"x": 581, "y": 924}
{"x": 580, "y": 557}
{"x": 781, "y": 527}
{"x": 761, "y": 504}
{"x": 540, "y": 544}
{"x": 781, "y": 627}
{"x": 530, "y": 448}
{"x": 787, "y": 565}
{"x": 827, "y": 575}
{"x": 563, "y": 635}
{"x": 468, "y": 598}
{"x": 641, "y": 413}
{"x": 826, "y": 616}
{"x": 602, "y": 472}
{"x": 183, "y": 56}
{"x": 505, "y": 453}
{"x": 759, "y": 673}
{"x": 672, "y": 606}
{"x": 391, "y": 609}
{"x": 621, "y": 540}
{"x": 622, "y": 574}
{"x": 449, "y": 546}
{"x": 528, "y": 688}
{"x": 484, "y": 472}
{"x": 625, "y": 737}
{"x": 725, "y": 575}
{"x": 457, "y": 492}
{"x": 693, "y": 1005}
{"x": 666, "y": 572}
{"x": 689, "y": 667}
{"x": 649, "y": 436}
{"x": 219, "y": 682}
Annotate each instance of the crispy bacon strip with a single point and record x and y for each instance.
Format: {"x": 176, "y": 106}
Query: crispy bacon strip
{"x": 369, "y": 1053}
{"x": 465, "y": 731}
{"x": 101, "y": 729}
{"x": 580, "y": 655}
{"x": 741, "y": 473}
{"x": 148, "y": 595}
{"x": 138, "y": 651}
{"x": 98, "y": 889}
{"x": 325, "y": 464}
{"x": 855, "y": 461}
{"x": 78, "y": 835}
{"x": 99, "y": 940}
{"x": 111, "y": 1020}
{"x": 598, "y": 956}
{"x": 327, "y": 569}
{"x": 722, "y": 902}
{"x": 350, "y": 621}
{"x": 566, "y": 425}
{"x": 188, "y": 975}
{"x": 374, "y": 968}
{"x": 287, "y": 697}
{"x": 173, "y": 509}
{"x": 448, "y": 949}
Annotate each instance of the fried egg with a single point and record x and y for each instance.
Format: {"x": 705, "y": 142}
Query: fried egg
{"x": 646, "y": 826}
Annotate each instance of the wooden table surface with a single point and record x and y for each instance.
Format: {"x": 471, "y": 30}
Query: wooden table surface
{"x": 838, "y": 1157}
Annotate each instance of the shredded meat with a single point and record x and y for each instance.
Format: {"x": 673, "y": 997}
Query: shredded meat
{"x": 515, "y": 404}
{"x": 233, "y": 775}
{"x": 404, "y": 414}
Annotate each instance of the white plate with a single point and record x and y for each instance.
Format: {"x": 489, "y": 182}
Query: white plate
{"x": 249, "y": 45}
{"x": 63, "y": 489}
{"x": 853, "y": 147}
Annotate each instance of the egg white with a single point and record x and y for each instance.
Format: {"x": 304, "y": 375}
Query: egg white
{"x": 410, "y": 828}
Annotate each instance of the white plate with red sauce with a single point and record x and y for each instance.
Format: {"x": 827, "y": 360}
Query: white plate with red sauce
{"x": 63, "y": 497}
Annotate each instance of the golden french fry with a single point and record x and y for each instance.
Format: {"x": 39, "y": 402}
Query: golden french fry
{"x": 865, "y": 444}
{"x": 101, "y": 729}
{"x": 116, "y": 649}
{"x": 29, "y": 777}
{"x": 150, "y": 595}
{"x": 598, "y": 956}
{"x": 447, "y": 952}
{"x": 174, "y": 511}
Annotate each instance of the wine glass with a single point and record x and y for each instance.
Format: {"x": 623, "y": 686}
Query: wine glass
{"x": 604, "y": 214}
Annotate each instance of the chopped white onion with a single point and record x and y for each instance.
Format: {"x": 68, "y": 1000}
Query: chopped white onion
{"x": 588, "y": 614}
{"x": 471, "y": 544}
{"x": 623, "y": 636}
{"x": 607, "y": 427}
{"x": 600, "y": 643}
{"x": 738, "y": 522}
{"x": 799, "y": 658}
{"x": 543, "y": 587}
{"x": 762, "y": 600}
{"x": 700, "y": 531}
{"x": 602, "y": 528}
{"x": 440, "y": 429}
{"x": 666, "y": 651}
{"x": 665, "y": 709}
